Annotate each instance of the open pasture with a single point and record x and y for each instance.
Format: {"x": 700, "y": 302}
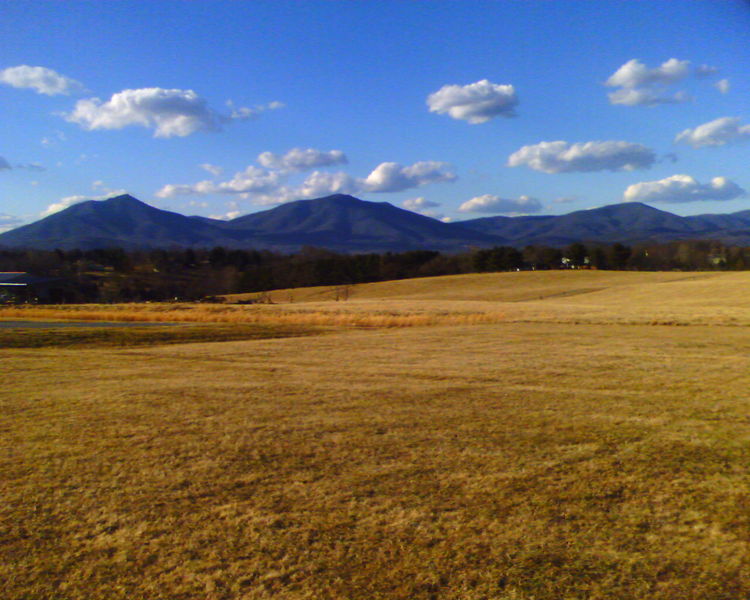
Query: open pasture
{"x": 575, "y": 446}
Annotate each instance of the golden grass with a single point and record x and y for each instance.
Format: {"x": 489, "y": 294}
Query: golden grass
{"x": 509, "y": 460}
{"x": 99, "y": 337}
{"x": 250, "y": 314}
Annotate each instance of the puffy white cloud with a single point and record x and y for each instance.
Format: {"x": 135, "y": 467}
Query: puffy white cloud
{"x": 252, "y": 180}
{"x": 269, "y": 186}
{"x": 643, "y": 86}
{"x": 723, "y": 86}
{"x": 419, "y": 204}
{"x": 725, "y": 130}
{"x": 4, "y": 164}
{"x": 170, "y": 112}
{"x": 43, "y": 80}
{"x": 228, "y": 216}
{"x": 69, "y": 201}
{"x": 646, "y": 97}
{"x": 497, "y": 205}
{"x": 563, "y": 157}
{"x": 423, "y": 206}
{"x": 635, "y": 74}
{"x": 213, "y": 169}
{"x": 393, "y": 177}
{"x": 319, "y": 183}
{"x": 8, "y": 222}
{"x": 476, "y": 103}
{"x": 683, "y": 188}
{"x": 302, "y": 159}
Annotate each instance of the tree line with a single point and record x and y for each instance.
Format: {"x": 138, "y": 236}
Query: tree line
{"x": 117, "y": 275}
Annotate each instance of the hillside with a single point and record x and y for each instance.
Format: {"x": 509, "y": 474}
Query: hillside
{"x": 342, "y": 223}
{"x": 548, "y": 296}
{"x": 629, "y": 222}
{"x": 346, "y": 224}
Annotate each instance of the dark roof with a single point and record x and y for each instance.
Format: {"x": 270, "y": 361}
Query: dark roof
{"x": 19, "y": 278}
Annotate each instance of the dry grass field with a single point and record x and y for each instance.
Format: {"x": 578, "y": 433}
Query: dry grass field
{"x": 539, "y": 436}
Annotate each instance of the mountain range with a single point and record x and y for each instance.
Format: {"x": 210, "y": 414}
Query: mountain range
{"x": 346, "y": 224}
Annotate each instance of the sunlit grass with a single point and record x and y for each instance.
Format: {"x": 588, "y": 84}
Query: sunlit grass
{"x": 537, "y": 460}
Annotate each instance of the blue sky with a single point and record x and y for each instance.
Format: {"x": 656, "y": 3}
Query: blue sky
{"x": 456, "y": 109}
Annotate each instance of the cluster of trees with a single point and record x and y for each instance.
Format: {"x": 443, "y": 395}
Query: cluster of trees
{"x": 116, "y": 275}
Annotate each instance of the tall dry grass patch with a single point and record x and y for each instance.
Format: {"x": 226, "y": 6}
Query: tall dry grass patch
{"x": 249, "y": 314}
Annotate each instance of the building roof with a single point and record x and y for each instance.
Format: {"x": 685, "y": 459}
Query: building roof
{"x": 19, "y": 278}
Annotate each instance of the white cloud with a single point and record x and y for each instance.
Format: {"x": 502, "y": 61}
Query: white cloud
{"x": 252, "y": 180}
{"x": 646, "y": 97}
{"x": 723, "y": 86}
{"x": 69, "y": 201}
{"x": 683, "y": 188}
{"x": 171, "y": 113}
{"x": 393, "y": 177}
{"x": 419, "y": 204}
{"x": 563, "y": 157}
{"x": 43, "y": 80}
{"x": 635, "y": 74}
{"x": 423, "y": 206}
{"x": 476, "y": 103}
{"x": 302, "y": 159}
{"x": 725, "y": 130}
{"x": 213, "y": 169}
{"x": 8, "y": 222}
{"x": 643, "y": 86}
{"x": 319, "y": 183}
{"x": 232, "y": 214}
{"x": 269, "y": 186}
{"x": 243, "y": 113}
{"x": 4, "y": 165}
{"x": 497, "y": 205}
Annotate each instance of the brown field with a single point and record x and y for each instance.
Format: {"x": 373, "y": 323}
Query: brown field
{"x": 533, "y": 436}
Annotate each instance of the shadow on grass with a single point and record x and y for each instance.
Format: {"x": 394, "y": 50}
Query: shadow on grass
{"x": 99, "y": 337}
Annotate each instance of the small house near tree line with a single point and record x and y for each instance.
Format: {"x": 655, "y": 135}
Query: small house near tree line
{"x": 18, "y": 286}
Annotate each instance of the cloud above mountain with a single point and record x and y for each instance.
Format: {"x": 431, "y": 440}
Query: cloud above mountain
{"x": 393, "y": 177}
{"x": 719, "y": 132}
{"x": 302, "y": 159}
{"x": 496, "y": 205}
{"x": 40, "y": 79}
{"x": 168, "y": 112}
{"x": 563, "y": 157}
{"x": 8, "y": 222}
{"x": 271, "y": 186}
{"x": 679, "y": 189}
{"x": 476, "y": 102}
{"x": 640, "y": 85}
